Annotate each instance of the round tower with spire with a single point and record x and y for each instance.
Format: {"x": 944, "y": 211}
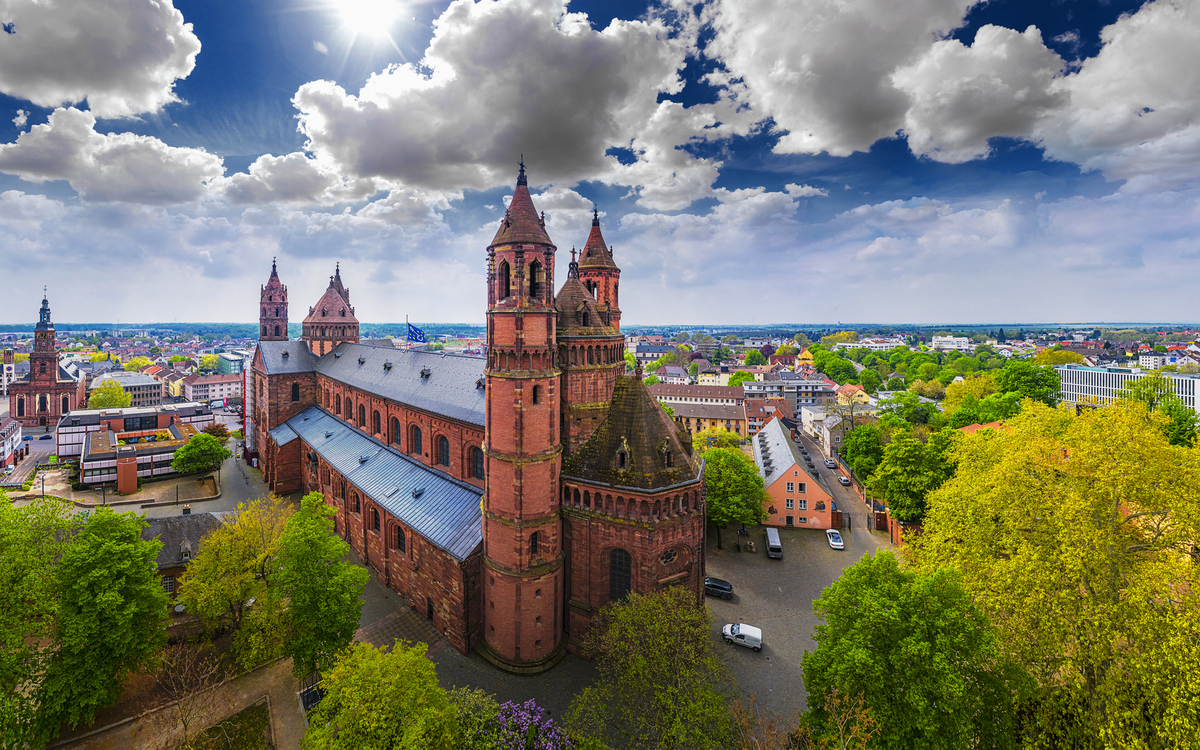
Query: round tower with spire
{"x": 600, "y": 274}
{"x": 273, "y": 309}
{"x": 522, "y": 527}
{"x": 331, "y": 321}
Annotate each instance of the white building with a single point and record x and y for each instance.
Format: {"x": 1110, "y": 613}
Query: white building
{"x": 875, "y": 345}
{"x": 1101, "y": 384}
{"x": 946, "y": 343}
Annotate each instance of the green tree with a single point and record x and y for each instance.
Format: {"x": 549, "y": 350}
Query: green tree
{"x": 926, "y": 662}
{"x": 630, "y": 362}
{"x": 32, "y": 539}
{"x": 980, "y": 386}
{"x": 363, "y": 693}
{"x": 863, "y": 449}
{"x": 137, "y": 363}
{"x": 1030, "y": 381}
{"x": 1058, "y": 357}
{"x": 109, "y": 395}
{"x": 661, "y": 685}
{"x": 839, "y": 370}
{"x": 1157, "y": 392}
{"x": 322, "y": 590}
{"x": 1073, "y": 533}
{"x": 209, "y": 361}
{"x": 755, "y": 357}
{"x": 693, "y": 369}
{"x": 217, "y": 430}
{"x": 734, "y": 489}
{"x": 786, "y": 349}
{"x": 909, "y": 471}
{"x": 716, "y": 437}
{"x": 801, "y": 340}
{"x": 907, "y": 405}
{"x": 895, "y": 384}
{"x": 202, "y": 453}
{"x": 842, "y": 337}
{"x": 996, "y": 407}
{"x": 739, "y": 377}
{"x": 651, "y": 380}
{"x": 111, "y": 620}
{"x": 869, "y": 379}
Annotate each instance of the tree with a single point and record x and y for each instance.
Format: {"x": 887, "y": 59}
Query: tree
{"x": 186, "y": 675}
{"x": 137, "y": 363}
{"x": 734, "y": 489}
{"x": 661, "y": 685}
{"x": 841, "y": 337}
{"x": 322, "y": 590}
{"x": 839, "y": 370}
{"x": 846, "y": 724}
{"x": 739, "y": 377}
{"x": 980, "y": 386}
{"x": 925, "y": 661}
{"x": 1157, "y": 392}
{"x": 755, "y": 357}
{"x": 786, "y": 349}
{"x": 994, "y": 408}
{"x": 1058, "y": 357}
{"x": 716, "y": 437}
{"x": 895, "y": 384}
{"x": 1030, "y": 381}
{"x": 862, "y": 448}
{"x": 908, "y": 406}
{"x": 202, "y": 453}
{"x": 1074, "y": 533}
{"x": 111, "y": 615}
{"x": 870, "y": 381}
{"x": 630, "y": 362}
{"x": 32, "y": 540}
{"x": 109, "y": 395}
{"x": 693, "y": 369}
{"x": 801, "y": 340}
{"x": 98, "y": 357}
{"x": 932, "y": 389}
{"x": 362, "y": 694}
{"x": 911, "y": 470}
{"x": 209, "y": 361}
{"x": 652, "y": 380}
{"x": 217, "y": 430}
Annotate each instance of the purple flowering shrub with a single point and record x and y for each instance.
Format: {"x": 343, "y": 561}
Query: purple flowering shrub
{"x": 525, "y": 726}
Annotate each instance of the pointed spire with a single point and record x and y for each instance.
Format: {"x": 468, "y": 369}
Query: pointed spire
{"x": 337, "y": 271}
{"x": 521, "y": 179}
{"x": 573, "y": 268}
{"x": 595, "y": 216}
{"x": 44, "y": 314}
{"x": 274, "y": 272}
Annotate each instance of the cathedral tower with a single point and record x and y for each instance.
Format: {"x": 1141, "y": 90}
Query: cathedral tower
{"x": 331, "y": 321}
{"x": 599, "y": 273}
{"x": 522, "y": 527}
{"x": 273, "y": 309}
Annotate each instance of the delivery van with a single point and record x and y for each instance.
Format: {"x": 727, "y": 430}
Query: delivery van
{"x": 774, "y": 548}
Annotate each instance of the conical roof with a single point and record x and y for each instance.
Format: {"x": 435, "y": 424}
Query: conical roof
{"x": 572, "y": 301}
{"x": 44, "y": 323}
{"x": 274, "y": 273}
{"x": 336, "y": 283}
{"x": 521, "y": 223}
{"x": 639, "y": 434}
{"x": 331, "y": 309}
{"x": 595, "y": 253}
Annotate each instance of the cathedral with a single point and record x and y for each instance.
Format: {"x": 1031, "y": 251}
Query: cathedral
{"x": 40, "y": 397}
{"x": 508, "y": 498}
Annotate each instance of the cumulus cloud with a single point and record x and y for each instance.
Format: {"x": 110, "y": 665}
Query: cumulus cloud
{"x": 21, "y": 118}
{"x": 122, "y": 56}
{"x": 293, "y": 178}
{"x": 108, "y": 167}
{"x": 509, "y": 77}
{"x": 805, "y": 191}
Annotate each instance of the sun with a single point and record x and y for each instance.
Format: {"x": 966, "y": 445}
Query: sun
{"x": 369, "y": 17}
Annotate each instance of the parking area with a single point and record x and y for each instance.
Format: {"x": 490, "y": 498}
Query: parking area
{"x": 777, "y": 596}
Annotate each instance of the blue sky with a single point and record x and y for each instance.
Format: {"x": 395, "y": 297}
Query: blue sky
{"x": 804, "y": 161}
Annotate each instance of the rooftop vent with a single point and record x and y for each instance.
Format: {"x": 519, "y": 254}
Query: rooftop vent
{"x": 387, "y": 365}
{"x": 426, "y": 372}
{"x": 362, "y": 360}
{"x": 328, "y": 433}
{"x": 362, "y": 459}
{"x": 337, "y": 355}
{"x": 285, "y": 355}
{"x": 479, "y": 383}
{"x": 418, "y": 492}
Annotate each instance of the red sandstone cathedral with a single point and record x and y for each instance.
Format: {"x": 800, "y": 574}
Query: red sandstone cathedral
{"x": 507, "y": 498}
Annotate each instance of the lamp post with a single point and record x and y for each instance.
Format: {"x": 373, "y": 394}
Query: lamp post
{"x": 43, "y": 485}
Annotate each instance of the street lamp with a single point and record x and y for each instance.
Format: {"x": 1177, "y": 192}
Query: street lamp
{"x": 43, "y": 485}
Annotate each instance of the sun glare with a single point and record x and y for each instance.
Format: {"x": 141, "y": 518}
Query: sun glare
{"x": 373, "y": 17}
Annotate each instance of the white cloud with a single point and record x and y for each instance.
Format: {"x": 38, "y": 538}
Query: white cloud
{"x": 108, "y": 167}
{"x": 122, "y": 56}
{"x": 507, "y": 77}
{"x": 21, "y": 118}
{"x": 805, "y": 191}
{"x": 961, "y": 96}
{"x": 320, "y": 47}
{"x": 293, "y": 178}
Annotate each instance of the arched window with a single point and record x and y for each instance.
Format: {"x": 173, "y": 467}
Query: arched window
{"x": 276, "y": 330}
{"x": 620, "y": 572}
{"x": 398, "y": 540}
{"x": 622, "y": 459}
{"x": 504, "y": 283}
{"x": 536, "y": 394}
{"x": 41, "y": 368}
{"x": 414, "y": 442}
{"x": 591, "y": 359}
{"x": 20, "y": 407}
{"x": 66, "y": 405}
{"x": 535, "y": 280}
{"x": 443, "y": 450}
{"x": 583, "y": 318}
{"x": 376, "y": 427}
{"x": 264, "y": 331}
{"x": 42, "y": 404}
{"x": 362, "y": 415}
{"x": 337, "y": 404}
{"x": 354, "y": 499}
{"x": 535, "y": 544}
{"x": 295, "y": 391}
{"x": 375, "y": 520}
{"x": 395, "y": 432}
{"x": 477, "y": 463}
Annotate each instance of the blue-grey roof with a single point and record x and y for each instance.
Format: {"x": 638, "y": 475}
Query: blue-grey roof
{"x": 282, "y": 357}
{"x": 447, "y": 512}
{"x": 282, "y": 435}
{"x": 451, "y": 388}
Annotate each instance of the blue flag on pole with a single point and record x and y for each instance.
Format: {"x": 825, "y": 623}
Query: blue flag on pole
{"x": 415, "y": 334}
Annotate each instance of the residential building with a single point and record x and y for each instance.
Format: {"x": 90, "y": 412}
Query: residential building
{"x": 180, "y": 537}
{"x": 143, "y": 389}
{"x": 10, "y": 441}
{"x": 647, "y": 353}
{"x": 673, "y": 375}
{"x": 795, "y": 496}
{"x": 1080, "y": 384}
{"x": 827, "y": 428}
{"x": 852, "y": 393}
{"x": 761, "y": 411}
{"x": 875, "y": 345}
{"x": 804, "y": 359}
{"x": 947, "y": 343}
{"x": 232, "y": 363}
{"x": 725, "y": 395}
{"x": 74, "y": 427}
{"x": 212, "y": 387}
{"x": 699, "y": 417}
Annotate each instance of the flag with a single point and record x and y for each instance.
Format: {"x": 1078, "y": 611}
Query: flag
{"x": 415, "y": 334}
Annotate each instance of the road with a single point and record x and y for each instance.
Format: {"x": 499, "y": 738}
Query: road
{"x": 848, "y": 501}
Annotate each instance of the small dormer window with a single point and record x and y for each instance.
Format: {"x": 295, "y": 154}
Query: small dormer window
{"x": 185, "y": 551}
{"x": 622, "y": 459}
{"x": 343, "y": 312}
{"x": 583, "y": 318}
{"x": 323, "y": 311}
{"x": 668, "y": 460}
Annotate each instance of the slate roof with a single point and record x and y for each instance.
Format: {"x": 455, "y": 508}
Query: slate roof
{"x": 521, "y": 223}
{"x": 595, "y": 253}
{"x": 332, "y": 309}
{"x": 298, "y": 359}
{"x": 450, "y": 389}
{"x": 385, "y": 343}
{"x": 178, "y": 533}
{"x": 776, "y": 454}
{"x": 571, "y": 302}
{"x": 282, "y": 435}
{"x": 637, "y": 425}
{"x": 709, "y": 411}
{"x": 446, "y": 512}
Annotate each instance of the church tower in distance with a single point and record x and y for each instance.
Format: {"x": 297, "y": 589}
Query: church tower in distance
{"x": 273, "y": 309}
{"x": 522, "y": 526}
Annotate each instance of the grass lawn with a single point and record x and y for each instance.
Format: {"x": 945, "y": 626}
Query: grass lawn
{"x": 248, "y": 730}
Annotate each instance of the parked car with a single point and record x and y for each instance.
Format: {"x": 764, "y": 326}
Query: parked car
{"x": 743, "y": 635}
{"x": 843, "y": 481}
{"x": 47, "y": 436}
{"x": 718, "y": 587}
{"x": 28, "y": 437}
{"x": 835, "y": 539}
{"x": 830, "y": 463}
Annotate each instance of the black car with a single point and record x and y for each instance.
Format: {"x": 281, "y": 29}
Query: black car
{"x": 717, "y": 587}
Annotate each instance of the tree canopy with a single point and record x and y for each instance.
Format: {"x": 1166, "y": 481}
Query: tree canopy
{"x": 1058, "y": 357}
{"x": 862, "y": 448}
{"x": 734, "y": 489}
{"x": 715, "y": 437}
{"x": 1075, "y": 533}
{"x": 202, "y": 453}
{"x": 1037, "y": 382}
{"x": 925, "y": 660}
{"x": 137, "y": 363}
{"x": 980, "y": 386}
{"x": 739, "y": 377}
{"x": 209, "y": 361}
{"x": 755, "y": 357}
{"x": 1157, "y": 392}
{"x": 910, "y": 470}
{"x": 109, "y": 395}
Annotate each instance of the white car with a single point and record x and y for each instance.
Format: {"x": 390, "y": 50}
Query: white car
{"x": 835, "y": 539}
{"x": 830, "y": 463}
{"x": 743, "y": 635}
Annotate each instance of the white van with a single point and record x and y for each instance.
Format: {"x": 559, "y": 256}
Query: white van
{"x": 743, "y": 635}
{"x": 774, "y": 548}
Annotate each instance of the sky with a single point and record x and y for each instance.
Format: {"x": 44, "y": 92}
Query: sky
{"x": 752, "y": 161}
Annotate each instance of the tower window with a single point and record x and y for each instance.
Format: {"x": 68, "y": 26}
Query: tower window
{"x": 622, "y": 459}
{"x": 41, "y": 368}
{"x": 66, "y": 405}
{"x": 477, "y": 463}
{"x": 295, "y": 391}
{"x": 536, "y": 394}
{"x": 583, "y": 319}
{"x": 505, "y": 287}
{"x": 443, "y": 451}
{"x": 42, "y": 404}
{"x": 620, "y": 574}
{"x": 264, "y": 331}
{"x": 414, "y": 443}
{"x": 276, "y": 330}
{"x": 535, "y": 543}
{"x": 362, "y": 415}
{"x": 395, "y": 431}
{"x": 535, "y": 280}
{"x": 399, "y": 540}
{"x": 337, "y": 404}
{"x": 375, "y": 520}
{"x": 376, "y": 427}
